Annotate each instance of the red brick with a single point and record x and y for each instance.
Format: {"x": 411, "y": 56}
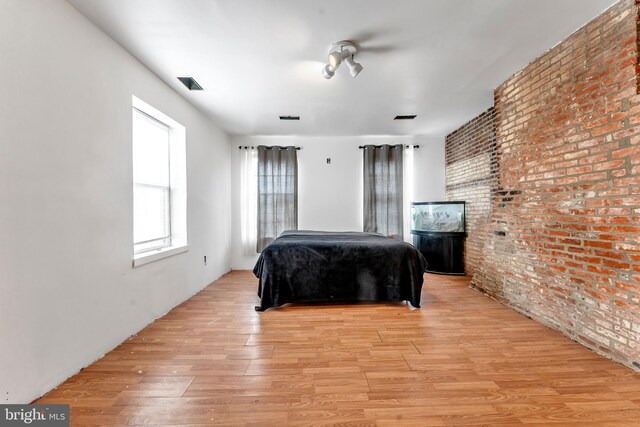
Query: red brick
{"x": 626, "y": 152}
{"x": 628, "y": 229}
{"x": 608, "y": 165}
{"x": 564, "y": 146}
{"x": 616, "y": 264}
{"x": 598, "y": 244}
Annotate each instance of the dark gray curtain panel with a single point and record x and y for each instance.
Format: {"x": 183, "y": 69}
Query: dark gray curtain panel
{"x": 277, "y": 193}
{"x": 383, "y": 190}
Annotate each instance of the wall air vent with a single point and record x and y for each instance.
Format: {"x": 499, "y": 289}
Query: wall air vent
{"x": 289, "y": 117}
{"x": 190, "y": 83}
{"x": 410, "y": 117}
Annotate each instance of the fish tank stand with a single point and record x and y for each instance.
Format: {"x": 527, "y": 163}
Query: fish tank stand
{"x": 438, "y": 230}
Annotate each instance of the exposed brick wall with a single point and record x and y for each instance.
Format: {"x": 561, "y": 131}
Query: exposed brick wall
{"x": 564, "y": 240}
{"x": 471, "y": 175}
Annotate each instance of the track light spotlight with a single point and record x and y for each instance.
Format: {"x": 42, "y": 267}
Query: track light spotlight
{"x": 340, "y": 52}
{"x": 328, "y": 71}
{"x": 336, "y": 58}
{"x": 354, "y": 67}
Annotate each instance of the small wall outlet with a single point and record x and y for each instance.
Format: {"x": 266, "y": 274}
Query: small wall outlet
{"x": 328, "y": 160}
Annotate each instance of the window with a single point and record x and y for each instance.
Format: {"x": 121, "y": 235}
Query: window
{"x": 383, "y": 190}
{"x": 277, "y": 193}
{"x": 151, "y": 184}
{"x": 159, "y": 184}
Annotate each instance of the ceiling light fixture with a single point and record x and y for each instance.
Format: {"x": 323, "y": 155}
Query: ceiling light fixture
{"x": 340, "y": 52}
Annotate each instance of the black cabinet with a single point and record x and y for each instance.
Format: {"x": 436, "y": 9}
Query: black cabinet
{"x": 444, "y": 251}
{"x": 438, "y": 230}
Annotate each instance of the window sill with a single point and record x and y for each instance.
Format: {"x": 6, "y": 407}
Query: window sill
{"x": 147, "y": 257}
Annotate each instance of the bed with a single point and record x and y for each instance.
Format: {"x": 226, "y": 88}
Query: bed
{"x": 317, "y": 266}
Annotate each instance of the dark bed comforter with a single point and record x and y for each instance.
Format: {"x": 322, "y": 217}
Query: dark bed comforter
{"x": 304, "y": 266}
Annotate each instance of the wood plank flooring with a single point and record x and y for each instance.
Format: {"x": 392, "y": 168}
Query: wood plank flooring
{"x": 462, "y": 359}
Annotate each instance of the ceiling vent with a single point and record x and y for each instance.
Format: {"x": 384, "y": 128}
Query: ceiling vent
{"x": 289, "y": 117}
{"x": 410, "y": 117}
{"x": 190, "y": 83}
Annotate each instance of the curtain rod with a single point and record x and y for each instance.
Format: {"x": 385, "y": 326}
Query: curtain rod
{"x": 246, "y": 147}
{"x": 380, "y": 146}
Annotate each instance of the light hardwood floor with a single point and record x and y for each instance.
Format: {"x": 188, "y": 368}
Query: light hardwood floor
{"x": 462, "y": 359}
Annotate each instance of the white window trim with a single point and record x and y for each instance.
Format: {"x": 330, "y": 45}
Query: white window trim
{"x": 178, "y": 188}
{"x": 147, "y": 257}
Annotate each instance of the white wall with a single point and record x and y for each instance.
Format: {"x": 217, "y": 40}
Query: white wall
{"x": 68, "y": 293}
{"x": 330, "y": 195}
{"x": 429, "y": 169}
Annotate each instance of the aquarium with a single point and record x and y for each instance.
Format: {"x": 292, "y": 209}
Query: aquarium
{"x": 437, "y": 217}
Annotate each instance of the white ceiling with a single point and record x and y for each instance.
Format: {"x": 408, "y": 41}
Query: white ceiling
{"x": 258, "y": 59}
